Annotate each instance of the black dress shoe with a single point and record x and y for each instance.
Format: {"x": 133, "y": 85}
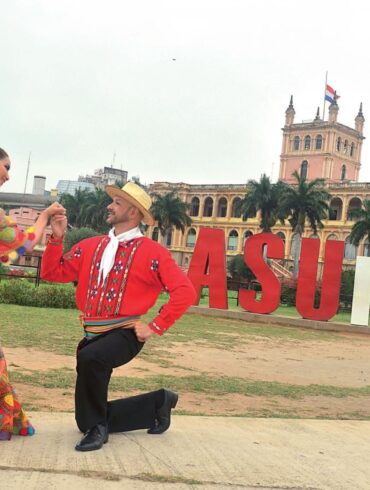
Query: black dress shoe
{"x": 93, "y": 439}
{"x": 163, "y": 414}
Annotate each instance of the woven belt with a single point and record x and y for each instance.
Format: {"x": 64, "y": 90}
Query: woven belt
{"x": 97, "y": 327}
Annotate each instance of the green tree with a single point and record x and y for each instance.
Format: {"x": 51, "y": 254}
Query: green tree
{"x": 238, "y": 269}
{"x": 76, "y": 235}
{"x": 74, "y": 204}
{"x": 304, "y": 201}
{"x": 263, "y": 196}
{"x": 169, "y": 211}
{"x": 346, "y": 288}
{"x": 361, "y": 229}
{"x": 93, "y": 213}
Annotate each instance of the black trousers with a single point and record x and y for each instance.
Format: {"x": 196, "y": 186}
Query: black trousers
{"x": 96, "y": 359}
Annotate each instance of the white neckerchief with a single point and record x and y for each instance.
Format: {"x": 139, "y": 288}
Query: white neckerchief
{"x": 110, "y": 250}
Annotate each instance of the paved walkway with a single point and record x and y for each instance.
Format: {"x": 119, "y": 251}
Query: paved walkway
{"x": 207, "y": 453}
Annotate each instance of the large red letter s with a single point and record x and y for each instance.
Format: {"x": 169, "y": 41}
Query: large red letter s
{"x": 208, "y": 267}
{"x": 253, "y": 257}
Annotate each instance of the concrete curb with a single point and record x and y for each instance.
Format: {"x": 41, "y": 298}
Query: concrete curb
{"x": 286, "y": 321}
{"x": 197, "y": 452}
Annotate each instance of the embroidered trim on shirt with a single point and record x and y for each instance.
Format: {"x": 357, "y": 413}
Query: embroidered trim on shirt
{"x": 55, "y": 241}
{"x": 155, "y": 327}
{"x": 125, "y": 274}
{"x": 93, "y": 262}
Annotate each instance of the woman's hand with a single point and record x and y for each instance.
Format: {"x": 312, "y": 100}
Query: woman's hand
{"x": 55, "y": 208}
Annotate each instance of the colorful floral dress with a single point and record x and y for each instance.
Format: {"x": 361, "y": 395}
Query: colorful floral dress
{"x": 13, "y": 419}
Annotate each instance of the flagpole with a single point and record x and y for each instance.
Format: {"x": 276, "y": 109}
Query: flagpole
{"x": 326, "y": 82}
{"x": 28, "y": 169}
{"x": 25, "y": 184}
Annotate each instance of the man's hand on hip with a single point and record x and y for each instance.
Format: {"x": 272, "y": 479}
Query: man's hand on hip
{"x": 143, "y": 331}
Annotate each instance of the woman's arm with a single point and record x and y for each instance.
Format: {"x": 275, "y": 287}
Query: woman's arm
{"x": 43, "y": 219}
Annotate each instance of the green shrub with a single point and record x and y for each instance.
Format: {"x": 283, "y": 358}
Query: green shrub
{"x": 288, "y": 295}
{"x": 76, "y": 235}
{"x": 22, "y": 292}
{"x": 55, "y": 296}
{"x": 17, "y": 292}
{"x": 346, "y": 289}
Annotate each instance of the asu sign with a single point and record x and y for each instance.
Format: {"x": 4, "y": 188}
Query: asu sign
{"x": 208, "y": 268}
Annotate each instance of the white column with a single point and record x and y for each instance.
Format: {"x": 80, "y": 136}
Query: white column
{"x": 361, "y": 292}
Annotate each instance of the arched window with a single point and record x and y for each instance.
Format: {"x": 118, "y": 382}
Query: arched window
{"x": 352, "y": 151}
{"x": 345, "y": 146}
{"x": 350, "y": 251}
{"x": 246, "y": 235}
{"x": 332, "y": 237}
{"x": 318, "y": 142}
{"x": 194, "y": 207}
{"x": 335, "y": 209}
{"x": 354, "y": 203}
{"x": 190, "y": 239}
{"x": 314, "y": 235}
{"x": 232, "y": 242}
{"x": 155, "y": 234}
{"x": 222, "y": 208}
{"x": 304, "y": 168}
{"x": 307, "y": 142}
{"x": 339, "y": 143}
{"x": 208, "y": 207}
{"x": 236, "y": 211}
{"x": 296, "y": 143}
{"x": 343, "y": 172}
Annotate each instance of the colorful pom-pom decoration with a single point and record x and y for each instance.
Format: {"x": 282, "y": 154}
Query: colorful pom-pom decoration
{"x": 13, "y": 241}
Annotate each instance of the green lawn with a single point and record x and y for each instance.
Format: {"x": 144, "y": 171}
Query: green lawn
{"x": 58, "y": 330}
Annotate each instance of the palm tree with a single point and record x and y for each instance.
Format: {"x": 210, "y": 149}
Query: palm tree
{"x": 94, "y": 211}
{"x": 74, "y": 204}
{"x": 169, "y": 211}
{"x": 304, "y": 201}
{"x": 361, "y": 228}
{"x": 265, "y": 197}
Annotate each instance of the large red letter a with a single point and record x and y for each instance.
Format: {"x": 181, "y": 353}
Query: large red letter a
{"x": 208, "y": 268}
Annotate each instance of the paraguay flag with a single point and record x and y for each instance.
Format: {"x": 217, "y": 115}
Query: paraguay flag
{"x": 330, "y": 94}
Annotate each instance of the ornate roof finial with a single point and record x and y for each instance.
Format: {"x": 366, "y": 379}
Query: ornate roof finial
{"x": 290, "y": 113}
{"x": 360, "y": 110}
{"x": 317, "y": 118}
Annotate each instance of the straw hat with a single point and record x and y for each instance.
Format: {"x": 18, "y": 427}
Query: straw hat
{"x": 136, "y": 195}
